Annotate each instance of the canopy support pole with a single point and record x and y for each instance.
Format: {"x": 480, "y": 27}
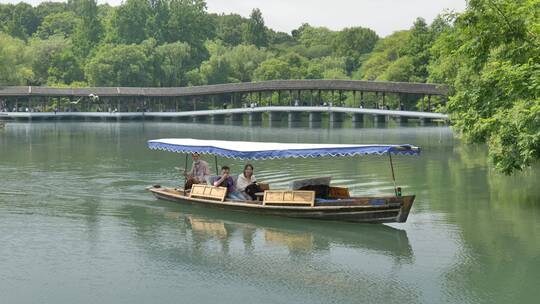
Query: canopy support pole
{"x": 185, "y": 171}
{"x": 393, "y": 176}
{"x": 217, "y": 169}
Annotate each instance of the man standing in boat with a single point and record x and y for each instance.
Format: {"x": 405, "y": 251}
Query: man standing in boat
{"x": 199, "y": 172}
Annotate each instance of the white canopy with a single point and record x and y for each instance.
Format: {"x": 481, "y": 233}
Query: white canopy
{"x": 267, "y": 150}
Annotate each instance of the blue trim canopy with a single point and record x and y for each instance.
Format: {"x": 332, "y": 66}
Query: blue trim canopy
{"x": 266, "y": 150}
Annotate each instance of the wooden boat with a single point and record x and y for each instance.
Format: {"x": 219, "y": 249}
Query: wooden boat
{"x": 336, "y": 205}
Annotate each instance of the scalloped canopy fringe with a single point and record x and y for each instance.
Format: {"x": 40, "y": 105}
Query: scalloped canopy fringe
{"x": 265, "y": 150}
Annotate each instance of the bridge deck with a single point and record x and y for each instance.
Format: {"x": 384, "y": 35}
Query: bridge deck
{"x": 59, "y": 115}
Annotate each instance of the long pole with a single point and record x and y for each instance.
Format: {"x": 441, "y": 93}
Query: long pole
{"x": 217, "y": 169}
{"x": 185, "y": 170}
{"x": 393, "y": 176}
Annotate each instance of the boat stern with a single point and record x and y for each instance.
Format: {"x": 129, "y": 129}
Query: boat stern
{"x": 405, "y": 208}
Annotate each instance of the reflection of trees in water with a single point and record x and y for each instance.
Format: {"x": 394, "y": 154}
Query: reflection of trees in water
{"x": 269, "y": 252}
{"x": 101, "y": 163}
{"x": 499, "y": 219}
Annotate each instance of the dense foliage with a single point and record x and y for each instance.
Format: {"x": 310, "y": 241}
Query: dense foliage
{"x": 491, "y": 59}
{"x": 489, "y": 55}
{"x": 178, "y": 43}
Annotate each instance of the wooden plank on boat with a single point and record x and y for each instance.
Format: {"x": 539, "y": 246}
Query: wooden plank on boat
{"x": 338, "y": 192}
{"x": 289, "y": 197}
{"x": 209, "y": 192}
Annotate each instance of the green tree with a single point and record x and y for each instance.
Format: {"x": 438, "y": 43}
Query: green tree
{"x": 120, "y": 65}
{"x": 189, "y": 22}
{"x": 296, "y": 33}
{"x": 385, "y": 52}
{"x": 297, "y": 65}
{"x": 244, "y": 60}
{"x": 255, "y": 32}
{"x": 418, "y": 46}
{"x": 311, "y": 36}
{"x": 89, "y": 31}
{"x": 273, "y": 69}
{"x": 62, "y": 23}
{"x": 278, "y": 37}
{"x": 14, "y": 68}
{"x": 173, "y": 61}
{"x": 45, "y": 9}
{"x": 230, "y": 27}
{"x": 335, "y": 74}
{"x": 353, "y": 43}
{"x": 64, "y": 68}
{"x": 216, "y": 70}
{"x": 42, "y": 51}
{"x": 129, "y": 22}
{"x": 326, "y": 67}
{"x": 317, "y": 40}
{"x": 159, "y": 18}
{"x": 491, "y": 59}
{"x": 195, "y": 78}
{"x": 20, "y": 20}
{"x": 399, "y": 70}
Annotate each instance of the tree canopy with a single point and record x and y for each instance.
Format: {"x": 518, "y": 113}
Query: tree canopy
{"x": 488, "y": 56}
{"x": 491, "y": 59}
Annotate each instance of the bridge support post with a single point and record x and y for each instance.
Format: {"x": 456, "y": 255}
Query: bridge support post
{"x": 294, "y": 116}
{"x": 424, "y": 120}
{"x": 291, "y": 98}
{"x": 335, "y": 119}
{"x": 255, "y": 118}
{"x": 401, "y": 119}
{"x": 217, "y": 119}
{"x": 237, "y": 117}
{"x": 294, "y": 119}
{"x": 379, "y": 118}
{"x": 199, "y": 118}
{"x": 315, "y": 116}
{"x": 315, "y": 119}
{"x": 357, "y": 119}
{"x": 274, "y": 116}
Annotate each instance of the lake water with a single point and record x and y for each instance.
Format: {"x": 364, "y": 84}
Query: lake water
{"x": 77, "y": 226}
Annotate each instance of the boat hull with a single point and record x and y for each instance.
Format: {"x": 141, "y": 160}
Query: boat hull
{"x": 394, "y": 209}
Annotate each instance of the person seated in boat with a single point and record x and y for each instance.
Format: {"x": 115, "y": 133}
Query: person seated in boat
{"x": 226, "y": 180}
{"x": 199, "y": 172}
{"x": 246, "y": 183}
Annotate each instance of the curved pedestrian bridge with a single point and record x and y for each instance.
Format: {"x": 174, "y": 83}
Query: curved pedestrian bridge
{"x": 244, "y": 87}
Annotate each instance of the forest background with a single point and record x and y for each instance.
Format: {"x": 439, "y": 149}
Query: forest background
{"x": 488, "y": 55}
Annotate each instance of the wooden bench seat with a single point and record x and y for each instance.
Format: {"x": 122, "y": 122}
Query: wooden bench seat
{"x": 289, "y": 197}
{"x": 208, "y": 192}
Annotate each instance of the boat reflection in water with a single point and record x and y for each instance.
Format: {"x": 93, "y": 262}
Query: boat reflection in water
{"x": 297, "y": 236}
{"x": 316, "y": 259}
